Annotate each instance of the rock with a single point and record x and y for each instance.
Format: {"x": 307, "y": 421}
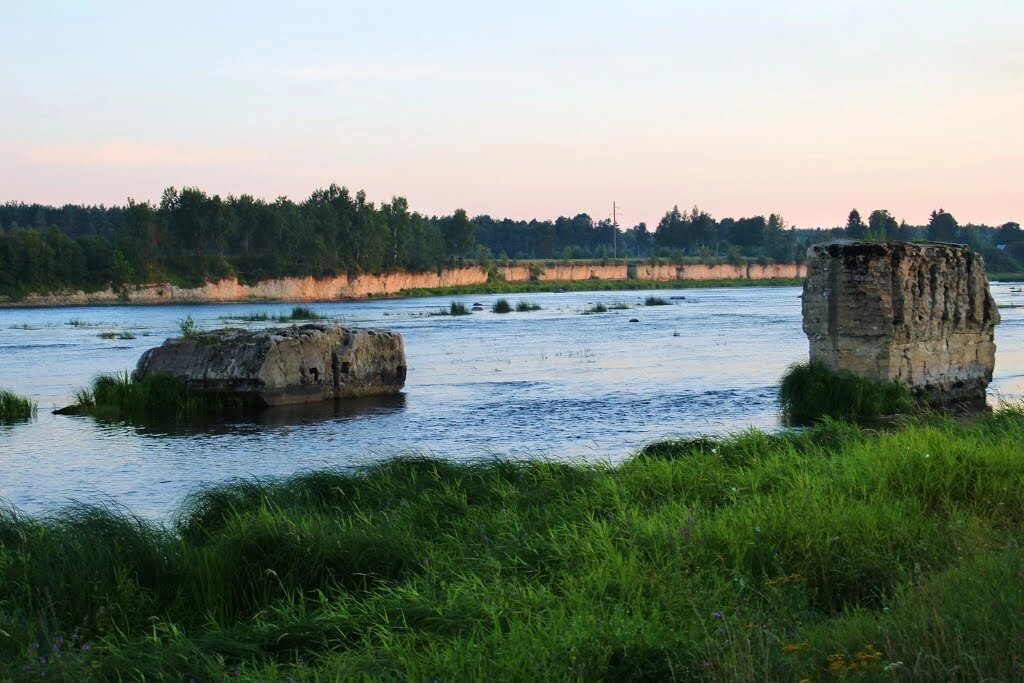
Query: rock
{"x": 283, "y": 365}
{"x": 918, "y": 313}
{"x": 634, "y": 320}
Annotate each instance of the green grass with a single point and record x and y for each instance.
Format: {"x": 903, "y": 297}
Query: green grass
{"x": 809, "y": 392}
{"x": 454, "y": 309}
{"x": 656, "y": 301}
{"x": 14, "y": 408}
{"x": 124, "y": 334}
{"x": 596, "y": 308}
{"x": 501, "y": 306}
{"x": 527, "y": 307}
{"x": 304, "y": 313}
{"x": 252, "y": 317}
{"x": 1006, "y": 277}
{"x": 297, "y": 313}
{"x": 116, "y": 396}
{"x": 500, "y": 287}
{"x": 748, "y": 557}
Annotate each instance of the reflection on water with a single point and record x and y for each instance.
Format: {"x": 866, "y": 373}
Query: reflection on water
{"x": 553, "y": 384}
{"x": 256, "y": 420}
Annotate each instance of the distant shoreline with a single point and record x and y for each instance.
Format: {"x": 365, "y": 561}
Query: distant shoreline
{"x": 512, "y": 278}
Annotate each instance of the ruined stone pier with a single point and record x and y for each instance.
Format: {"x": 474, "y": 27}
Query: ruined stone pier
{"x": 917, "y": 313}
{"x": 284, "y": 365}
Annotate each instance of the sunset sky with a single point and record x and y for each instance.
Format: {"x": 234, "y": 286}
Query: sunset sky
{"x": 524, "y": 109}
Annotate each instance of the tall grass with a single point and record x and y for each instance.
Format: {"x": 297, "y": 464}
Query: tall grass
{"x": 527, "y": 307}
{"x": 656, "y": 301}
{"x": 116, "y": 396}
{"x": 304, "y": 313}
{"x": 14, "y": 407}
{"x": 501, "y": 306}
{"x": 809, "y": 392}
{"x": 830, "y": 554}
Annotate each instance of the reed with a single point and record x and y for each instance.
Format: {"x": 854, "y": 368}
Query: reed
{"x": 14, "y": 408}
{"x": 809, "y": 392}
{"x": 501, "y": 306}
{"x": 117, "y": 396}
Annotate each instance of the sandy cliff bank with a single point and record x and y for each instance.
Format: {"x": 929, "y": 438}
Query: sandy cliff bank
{"x": 391, "y": 284}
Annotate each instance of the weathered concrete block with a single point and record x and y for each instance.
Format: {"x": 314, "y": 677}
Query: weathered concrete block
{"x": 919, "y": 313}
{"x": 283, "y": 365}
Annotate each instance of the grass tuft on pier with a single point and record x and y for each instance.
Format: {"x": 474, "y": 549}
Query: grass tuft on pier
{"x": 827, "y": 554}
{"x": 117, "y": 396}
{"x": 810, "y": 391}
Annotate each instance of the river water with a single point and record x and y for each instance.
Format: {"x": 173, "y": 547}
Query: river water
{"x": 552, "y": 383}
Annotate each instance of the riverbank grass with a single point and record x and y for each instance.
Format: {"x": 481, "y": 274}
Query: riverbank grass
{"x": 15, "y": 408}
{"x": 835, "y": 553}
{"x": 502, "y": 287}
{"x": 810, "y": 391}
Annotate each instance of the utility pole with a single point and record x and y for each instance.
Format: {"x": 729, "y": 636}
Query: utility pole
{"x": 615, "y": 231}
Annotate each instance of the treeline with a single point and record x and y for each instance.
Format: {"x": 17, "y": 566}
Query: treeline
{"x": 190, "y": 236}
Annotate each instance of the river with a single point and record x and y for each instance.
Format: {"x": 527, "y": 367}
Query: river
{"x": 547, "y": 384}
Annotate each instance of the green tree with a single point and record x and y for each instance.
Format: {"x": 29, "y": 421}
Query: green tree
{"x": 882, "y": 225}
{"x": 855, "y": 228}
{"x": 459, "y": 235}
{"x": 942, "y": 226}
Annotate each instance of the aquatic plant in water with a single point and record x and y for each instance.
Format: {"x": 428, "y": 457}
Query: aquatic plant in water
{"x": 811, "y": 391}
{"x": 501, "y": 306}
{"x": 14, "y": 407}
{"x": 158, "y": 396}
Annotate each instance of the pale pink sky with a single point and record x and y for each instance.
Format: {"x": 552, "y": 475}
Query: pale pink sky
{"x": 803, "y": 107}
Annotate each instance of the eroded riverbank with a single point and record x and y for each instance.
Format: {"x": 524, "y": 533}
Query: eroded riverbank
{"x": 455, "y": 280}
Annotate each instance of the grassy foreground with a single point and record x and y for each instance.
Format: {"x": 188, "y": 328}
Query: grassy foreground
{"x": 829, "y": 554}
{"x": 501, "y": 287}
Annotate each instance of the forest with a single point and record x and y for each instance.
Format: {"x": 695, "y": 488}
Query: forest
{"x": 191, "y": 236}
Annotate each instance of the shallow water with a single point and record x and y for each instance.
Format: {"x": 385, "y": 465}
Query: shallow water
{"x": 552, "y": 383}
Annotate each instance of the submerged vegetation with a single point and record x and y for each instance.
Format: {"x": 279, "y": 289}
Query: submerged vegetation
{"x": 297, "y": 313}
{"x": 116, "y": 396}
{"x": 501, "y": 306}
{"x": 109, "y": 334}
{"x": 809, "y": 392}
{"x": 826, "y": 554}
{"x": 304, "y": 313}
{"x": 14, "y": 407}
